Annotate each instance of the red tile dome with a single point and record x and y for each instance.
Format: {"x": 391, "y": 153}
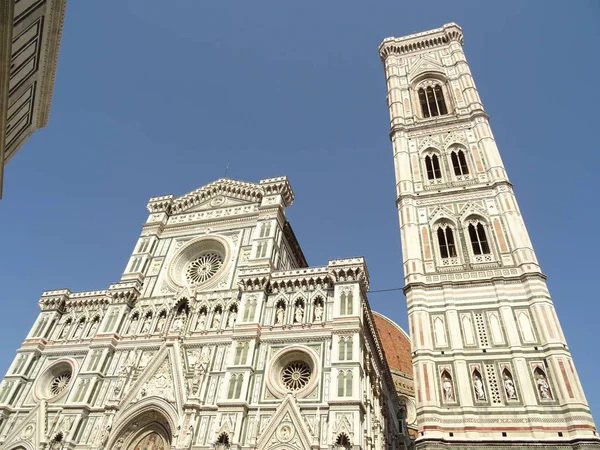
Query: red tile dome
{"x": 396, "y": 344}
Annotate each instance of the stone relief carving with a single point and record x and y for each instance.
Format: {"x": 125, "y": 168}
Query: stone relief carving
{"x": 161, "y": 384}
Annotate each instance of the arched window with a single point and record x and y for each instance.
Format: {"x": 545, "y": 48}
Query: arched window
{"x": 432, "y": 100}
{"x": 459, "y": 162}
{"x": 241, "y": 353}
{"x": 235, "y": 386}
{"x": 478, "y": 238}
{"x": 446, "y": 242}
{"x": 432, "y": 166}
{"x": 250, "y": 309}
{"x": 345, "y": 383}
{"x": 346, "y": 303}
{"x": 345, "y": 348}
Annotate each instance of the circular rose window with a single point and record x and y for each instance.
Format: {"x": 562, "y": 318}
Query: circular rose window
{"x": 293, "y": 369}
{"x": 60, "y": 382}
{"x": 295, "y": 375}
{"x": 200, "y": 261}
{"x": 55, "y": 380}
{"x": 204, "y": 267}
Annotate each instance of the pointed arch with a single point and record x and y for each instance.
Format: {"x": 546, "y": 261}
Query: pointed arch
{"x": 148, "y": 415}
{"x": 458, "y": 160}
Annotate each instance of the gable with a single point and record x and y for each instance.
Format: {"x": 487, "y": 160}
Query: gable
{"x": 219, "y": 201}
{"x": 163, "y": 378}
{"x": 425, "y": 65}
{"x": 286, "y": 428}
{"x": 215, "y": 194}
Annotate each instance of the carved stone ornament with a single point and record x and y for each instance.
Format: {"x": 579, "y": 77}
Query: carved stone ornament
{"x": 285, "y": 432}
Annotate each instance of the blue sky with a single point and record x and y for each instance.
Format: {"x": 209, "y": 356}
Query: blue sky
{"x": 151, "y": 100}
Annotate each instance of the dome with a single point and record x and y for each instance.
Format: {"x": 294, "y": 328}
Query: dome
{"x": 396, "y": 344}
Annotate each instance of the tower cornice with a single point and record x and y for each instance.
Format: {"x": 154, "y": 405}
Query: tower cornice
{"x": 417, "y": 42}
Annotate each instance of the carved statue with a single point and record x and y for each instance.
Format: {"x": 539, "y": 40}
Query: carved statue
{"x": 132, "y": 325}
{"x": 318, "y": 312}
{"x": 103, "y": 438}
{"x": 478, "y": 386}
{"x": 63, "y": 332}
{"x": 298, "y": 313}
{"x": 279, "y": 315}
{"x": 231, "y": 318}
{"x": 189, "y": 436}
{"x": 201, "y": 323}
{"x": 93, "y": 328}
{"x": 509, "y": 387}
{"x": 146, "y": 324}
{"x": 79, "y": 329}
{"x": 160, "y": 325}
{"x": 179, "y": 321}
{"x": 448, "y": 390}
{"x": 130, "y": 363}
{"x": 117, "y": 389}
{"x": 544, "y": 388}
{"x": 217, "y": 320}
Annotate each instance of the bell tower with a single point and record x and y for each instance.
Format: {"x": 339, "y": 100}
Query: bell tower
{"x": 491, "y": 363}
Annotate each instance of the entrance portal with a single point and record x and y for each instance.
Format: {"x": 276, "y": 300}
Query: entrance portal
{"x": 150, "y": 441}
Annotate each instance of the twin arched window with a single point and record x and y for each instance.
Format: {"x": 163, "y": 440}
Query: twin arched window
{"x": 477, "y": 237}
{"x": 432, "y": 100}
{"x": 458, "y": 159}
{"x": 479, "y": 242}
{"x": 445, "y": 237}
{"x": 432, "y": 165}
{"x": 459, "y": 162}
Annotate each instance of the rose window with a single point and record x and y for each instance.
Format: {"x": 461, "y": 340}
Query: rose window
{"x": 59, "y": 383}
{"x": 295, "y": 375}
{"x": 204, "y": 267}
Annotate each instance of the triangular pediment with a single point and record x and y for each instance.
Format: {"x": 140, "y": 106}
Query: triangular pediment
{"x": 221, "y": 193}
{"x": 162, "y": 377}
{"x": 286, "y": 428}
{"x": 220, "y": 201}
{"x": 425, "y": 65}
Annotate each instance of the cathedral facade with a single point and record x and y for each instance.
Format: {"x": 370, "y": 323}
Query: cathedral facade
{"x": 220, "y": 336}
{"x": 491, "y": 364}
{"x": 217, "y": 336}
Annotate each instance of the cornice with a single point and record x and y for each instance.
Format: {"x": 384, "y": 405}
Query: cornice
{"x": 55, "y": 17}
{"x": 484, "y": 281}
{"x": 417, "y": 42}
{"x": 350, "y": 269}
{"x": 455, "y": 193}
{"x": 439, "y": 124}
{"x": 6, "y": 29}
{"x": 125, "y": 291}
